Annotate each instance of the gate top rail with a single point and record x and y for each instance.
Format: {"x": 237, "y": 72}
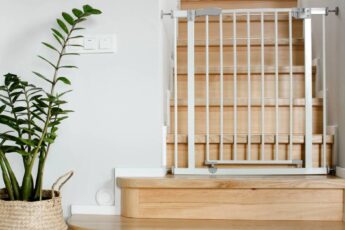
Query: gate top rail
{"x": 297, "y": 12}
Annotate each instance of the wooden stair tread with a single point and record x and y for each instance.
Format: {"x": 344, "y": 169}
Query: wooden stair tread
{"x": 243, "y": 69}
{"x": 243, "y": 42}
{"x": 97, "y": 222}
{"x": 227, "y": 182}
{"x": 243, "y": 138}
{"x": 244, "y": 102}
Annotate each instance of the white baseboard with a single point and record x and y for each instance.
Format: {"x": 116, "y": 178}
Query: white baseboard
{"x": 340, "y": 172}
{"x": 116, "y": 210}
{"x": 93, "y": 210}
{"x": 134, "y": 172}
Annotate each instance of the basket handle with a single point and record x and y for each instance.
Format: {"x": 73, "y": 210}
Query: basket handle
{"x": 61, "y": 181}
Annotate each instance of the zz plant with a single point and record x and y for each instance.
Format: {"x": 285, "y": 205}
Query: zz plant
{"x": 30, "y": 115}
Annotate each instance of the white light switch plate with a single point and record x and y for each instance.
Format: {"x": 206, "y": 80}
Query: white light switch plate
{"x": 93, "y": 44}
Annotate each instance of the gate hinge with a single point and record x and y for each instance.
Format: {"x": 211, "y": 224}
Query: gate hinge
{"x": 301, "y": 13}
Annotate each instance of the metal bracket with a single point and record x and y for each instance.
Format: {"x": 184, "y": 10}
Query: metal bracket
{"x": 301, "y": 13}
{"x": 335, "y": 11}
{"x": 331, "y": 171}
{"x": 171, "y": 14}
{"x": 208, "y": 12}
{"x": 191, "y": 15}
{"x": 212, "y": 169}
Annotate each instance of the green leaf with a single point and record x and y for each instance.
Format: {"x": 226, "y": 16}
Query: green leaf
{"x": 50, "y": 47}
{"x": 41, "y": 104}
{"x": 64, "y": 80}
{"x": 71, "y": 54}
{"x": 77, "y": 13}
{"x": 79, "y": 28}
{"x": 64, "y": 93}
{"x": 2, "y": 108}
{"x": 43, "y": 77}
{"x": 27, "y": 142}
{"x": 68, "y": 67}
{"x": 79, "y": 20}
{"x": 5, "y": 102}
{"x": 37, "y": 116}
{"x": 57, "y": 33}
{"x": 22, "y": 152}
{"x": 46, "y": 60}
{"x": 62, "y": 25}
{"x": 38, "y": 108}
{"x": 75, "y": 45}
{"x": 52, "y": 124}
{"x": 58, "y": 39}
{"x": 95, "y": 11}
{"x": 87, "y": 8}
{"x": 68, "y": 18}
{"x": 78, "y": 36}
{"x": 19, "y": 109}
{"x": 60, "y": 102}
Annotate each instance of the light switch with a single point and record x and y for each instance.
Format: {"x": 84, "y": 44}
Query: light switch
{"x": 90, "y": 43}
{"x": 93, "y": 44}
{"x": 106, "y": 42}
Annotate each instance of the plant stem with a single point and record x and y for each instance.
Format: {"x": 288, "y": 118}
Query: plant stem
{"x": 14, "y": 182}
{"x": 7, "y": 180}
{"x": 26, "y": 190}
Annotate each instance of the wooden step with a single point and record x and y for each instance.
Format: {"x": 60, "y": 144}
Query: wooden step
{"x": 241, "y": 28}
{"x": 214, "y": 57}
{"x": 234, "y": 198}
{"x": 95, "y": 222}
{"x": 242, "y": 114}
{"x": 235, "y": 4}
{"x": 242, "y": 85}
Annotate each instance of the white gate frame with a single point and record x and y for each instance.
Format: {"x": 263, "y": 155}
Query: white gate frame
{"x": 300, "y": 13}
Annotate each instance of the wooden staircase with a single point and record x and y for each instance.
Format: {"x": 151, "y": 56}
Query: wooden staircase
{"x": 306, "y": 198}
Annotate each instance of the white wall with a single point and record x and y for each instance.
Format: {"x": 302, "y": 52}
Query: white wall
{"x": 335, "y": 26}
{"x": 117, "y": 98}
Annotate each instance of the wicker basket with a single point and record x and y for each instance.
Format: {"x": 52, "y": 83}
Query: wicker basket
{"x": 39, "y": 215}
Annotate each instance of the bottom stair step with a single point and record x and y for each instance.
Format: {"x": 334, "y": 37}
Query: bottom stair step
{"x": 234, "y": 198}
{"x": 88, "y": 222}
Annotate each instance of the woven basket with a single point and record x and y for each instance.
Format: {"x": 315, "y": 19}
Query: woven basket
{"x": 39, "y": 215}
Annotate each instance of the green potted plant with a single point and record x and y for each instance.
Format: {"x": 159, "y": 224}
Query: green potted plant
{"x": 30, "y": 116}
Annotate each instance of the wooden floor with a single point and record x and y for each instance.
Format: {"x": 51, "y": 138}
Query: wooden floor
{"x": 86, "y": 222}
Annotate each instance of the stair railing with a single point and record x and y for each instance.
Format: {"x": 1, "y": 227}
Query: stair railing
{"x": 299, "y": 166}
